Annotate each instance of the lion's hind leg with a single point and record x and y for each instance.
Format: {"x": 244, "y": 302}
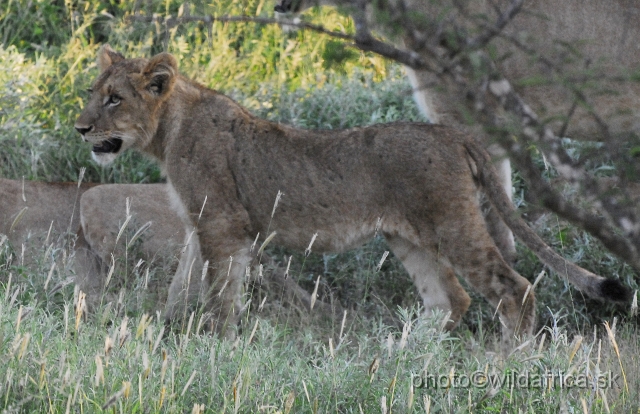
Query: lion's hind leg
{"x": 466, "y": 243}
{"x": 434, "y": 279}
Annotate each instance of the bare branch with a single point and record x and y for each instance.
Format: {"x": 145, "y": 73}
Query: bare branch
{"x": 493, "y": 31}
{"x": 172, "y": 21}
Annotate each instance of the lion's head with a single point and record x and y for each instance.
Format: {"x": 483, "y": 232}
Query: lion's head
{"x": 125, "y": 103}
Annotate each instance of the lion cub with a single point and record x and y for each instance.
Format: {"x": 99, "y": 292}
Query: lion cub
{"x": 36, "y": 214}
{"x": 31, "y": 211}
{"x": 152, "y": 228}
{"x": 415, "y": 183}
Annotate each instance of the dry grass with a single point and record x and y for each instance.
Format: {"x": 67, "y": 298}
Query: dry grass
{"x": 377, "y": 357}
{"x": 286, "y": 359}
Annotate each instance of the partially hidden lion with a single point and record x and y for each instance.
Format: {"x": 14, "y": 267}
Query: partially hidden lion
{"x": 417, "y": 184}
{"x": 148, "y": 229}
{"x": 36, "y": 214}
{"x": 600, "y": 35}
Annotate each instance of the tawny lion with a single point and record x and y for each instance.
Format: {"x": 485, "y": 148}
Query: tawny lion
{"x": 417, "y": 184}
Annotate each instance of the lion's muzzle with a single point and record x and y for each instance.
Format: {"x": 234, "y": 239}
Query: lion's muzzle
{"x": 111, "y": 145}
{"x": 100, "y": 145}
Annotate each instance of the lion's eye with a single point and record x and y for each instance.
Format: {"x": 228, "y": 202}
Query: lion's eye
{"x": 113, "y": 100}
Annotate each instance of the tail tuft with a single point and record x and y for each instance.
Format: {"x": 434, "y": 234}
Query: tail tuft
{"x": 612, "y": 289}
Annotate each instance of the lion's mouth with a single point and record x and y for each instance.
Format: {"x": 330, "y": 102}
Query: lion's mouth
{"x": 111, "y": 145}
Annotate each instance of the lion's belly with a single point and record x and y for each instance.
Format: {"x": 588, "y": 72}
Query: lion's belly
{"x": 338, "y": 236}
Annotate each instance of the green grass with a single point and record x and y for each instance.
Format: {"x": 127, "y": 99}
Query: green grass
{"x": 116, "y": 361}
{"x": 50, "y": 364}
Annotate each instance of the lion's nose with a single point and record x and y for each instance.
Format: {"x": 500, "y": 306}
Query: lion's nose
{"x": 83, "y": 130}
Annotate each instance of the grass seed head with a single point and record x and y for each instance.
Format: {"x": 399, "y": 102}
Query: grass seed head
{"x": 373, "y": 368}
{"x": 266, "y": 242}
{"x": 81, "y": 308}
{"x": 202, "y": 208}
{"x": 158, "y": 339}
{"x": 275, "y": 205}
{"x": 17, "y": 220}
{"x": 381, "y": 262}
{"x": 80, "y": 176}
{"x": 253, "y": 331}
{"x": 426, "y": 400}
{"x": 286, "y": 272}
{"x": 145, "y": 321}
{"x": 205, "y": 267}
{"x": 261, "y": 306}
{"x": 165, "y": 363}
{"x": 314, "y": 295}
{"x": 331, "y": 350}
{"x": 307, "y": 251}
{"x": 108, "y": 345}
{"x": 126, "y": 389}
{"x": 19, "y": 318}
{"x": 577, "y": 341}
{"x": 66, "y": 378}
{"x": 163, "y": 392}
{"x": 99, "y": 377}
{"x": 344, "y": 321}
{"x": 255, "y": 241}
{"x": 123, "y": 333}
{"x": 406, "y": 329}
{"x": 611, "y": 334}
{"x": 146, "y": 366}
{"x": 288, "y": 404}
{"x": 49, "y": 275}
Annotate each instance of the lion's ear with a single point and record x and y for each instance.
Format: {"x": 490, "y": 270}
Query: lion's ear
{"x": 107, "y": 57}
{"x": 160, "y": 73}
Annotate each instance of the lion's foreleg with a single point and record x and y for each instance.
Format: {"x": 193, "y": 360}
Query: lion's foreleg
{"x": 187, "y": 285}
{"x": 229, "y": 258}
{"x": 435, "y": 281}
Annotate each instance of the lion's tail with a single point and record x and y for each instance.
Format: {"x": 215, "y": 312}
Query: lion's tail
{"x": 587, "y": 282}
